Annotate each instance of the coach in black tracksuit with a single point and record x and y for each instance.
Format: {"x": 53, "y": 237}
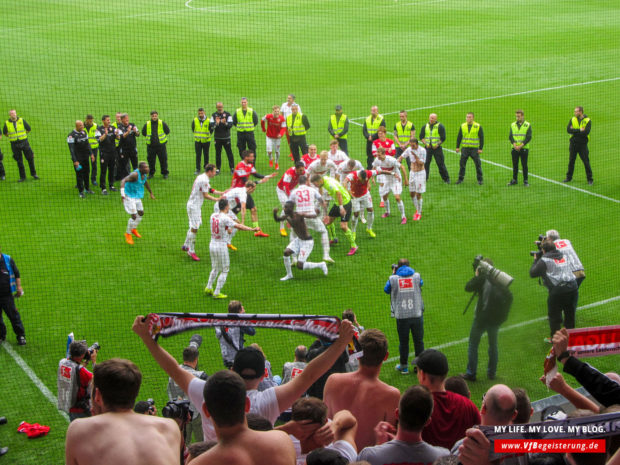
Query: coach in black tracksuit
{"x": 220, "y": 124}
{"x": 81, "y": 156}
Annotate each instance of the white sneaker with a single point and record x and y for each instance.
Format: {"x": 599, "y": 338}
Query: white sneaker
{"x": 324, "y": 268}
{"x": 287, "y": 277}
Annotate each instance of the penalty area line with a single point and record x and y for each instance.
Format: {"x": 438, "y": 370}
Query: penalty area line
{"x": 445, "y": 345}
{"x": 33, "y": 377}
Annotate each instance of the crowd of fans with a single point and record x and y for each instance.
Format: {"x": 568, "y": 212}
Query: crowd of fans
{"x": 247, "y": 415}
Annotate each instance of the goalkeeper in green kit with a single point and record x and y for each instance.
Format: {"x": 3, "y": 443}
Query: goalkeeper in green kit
{"x": 340, "y": 209}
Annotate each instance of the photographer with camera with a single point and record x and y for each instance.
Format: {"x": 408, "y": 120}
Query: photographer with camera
{"x": 175, "y": 393}
{"x": 404, "y": 287}
{"x": 74, "y": 379}
{"x": 566, "y": 248}
{"x": 494, "y": 301}
{"x": 555, "y": 270}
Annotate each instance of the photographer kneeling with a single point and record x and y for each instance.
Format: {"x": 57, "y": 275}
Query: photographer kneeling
{"x": 557, "y": 276}
{"x": 494, "y": 301}
{"x": 73, "y": 380}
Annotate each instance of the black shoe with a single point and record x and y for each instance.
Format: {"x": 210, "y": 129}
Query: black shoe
{"x": 104, "y": 192}
{"x": 35, "y": 177}
{"x": 567, "y": 180}
{"x": 480, "y": 183}
{"x": 447, "y": 181}
{"x": 165, "y": 176}
{"x": 217, "y": 171}
{"x": 3, "y": 450}
{"x": 2, "y": 178}
{"x": 2, "y": 420}
{"x": 468, "y": 377}
{"x": 113, "y": 189}
{"x": 490, "y": 376}
{"x": 526, "y": 184}
{"x": 196, "y": 173}
{"x": 21, "y": 179}
{"x": 93, "y": 182}
{"x": 590, "y": 181}
{"x": 21, "y": 341}
{"x": 460, "y": 181}
{"x": 82, "y": 195}
{"x": 89, "y": 191}
{"x": 513, "y": 182}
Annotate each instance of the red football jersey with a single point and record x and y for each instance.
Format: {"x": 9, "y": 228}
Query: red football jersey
{"x": 358, "y": 187}
{"x": 289, "y": 180}
{"x": 307, "y": 160}
{"x": 242, "y": 173}
{"x": 275, "y": 126}
{"x": 387, "y": 144}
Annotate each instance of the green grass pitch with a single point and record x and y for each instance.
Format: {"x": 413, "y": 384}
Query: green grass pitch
{"x": 64, "y": 59}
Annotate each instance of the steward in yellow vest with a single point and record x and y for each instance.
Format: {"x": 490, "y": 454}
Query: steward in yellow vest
{"x": 469, "y": 141}
{"x": 298, "y": 125}
{"x": 339, "y": 128}
{"x": 369, "y": 129}
{"x": 202, "y": 139}
{"x": 579, "y": 129}
{"x": 17, "y": 129}
{"x": 156, "y": 133}
{"x": 520, "y": 137}
{"x": 245, "y": 119}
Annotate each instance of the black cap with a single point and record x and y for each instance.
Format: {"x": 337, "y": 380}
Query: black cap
{"x": 338, "y": 107}
{"x": 249, "y": 363}
{"x": 433, "y": 362}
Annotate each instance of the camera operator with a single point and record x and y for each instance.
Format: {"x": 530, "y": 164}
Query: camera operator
{"x": 554, "y": 268}
{"x": 146, "y": 407}
{"x": 566, "y": 248}
{"x": 404, "y": 287}
{"x": 74, "y": 380}
{"x": 494, "y": 301}
{"x": 190, "y": 364}
{"x": 179, "y": 411}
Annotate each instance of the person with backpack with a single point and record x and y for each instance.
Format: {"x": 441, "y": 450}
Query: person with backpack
{"x": 74, "y": 379}
{"x": 492, "y": 309}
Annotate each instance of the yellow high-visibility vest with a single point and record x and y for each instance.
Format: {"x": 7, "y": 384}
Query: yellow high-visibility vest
{"x": 245, "y": 123}
{"x": 92, "y": 136}
{"x": 470, "y": 136}
{"x": 296, "y": 125}
{"x": 338, "y": 126}
{"x": 17, "y": 132}
{"x": 163, "y": 138}
{"x": 577, "y": 125}
{"x": 519, "y": 133}
{"x": 201, "y": 130}
{"x": 373, "y": 126}
{"x": 403, "y": 134}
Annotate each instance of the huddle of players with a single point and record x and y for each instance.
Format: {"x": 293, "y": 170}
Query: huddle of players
{"x": 304, "y": 192}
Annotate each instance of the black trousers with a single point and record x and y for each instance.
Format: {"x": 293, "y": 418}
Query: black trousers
{"x": 82, "y": 176}
{"x": 246, "y": 141}
{"x": 516, "y": 156}
{"x": 342, "y": 144}
{"x": 557, "y": 304}
{"x": 219, "y": 143}
{"x": 584, "y": 154}
{"x": 298, "y": 144}
{"x": 108, "y": 162}
{"x": 2, "y": 172}
{"x": 7, "y": 303}
{"x": 369, "y": 156}
{"x": 93, "y": 165}
{"x": 20, "y": 148}
{"x": 127, "y": 160}
{"x": 201, "y": 147}
{"x": 472, "y": 152}
{"x": 154, "y": 152}
{"x": 439, "y": 160}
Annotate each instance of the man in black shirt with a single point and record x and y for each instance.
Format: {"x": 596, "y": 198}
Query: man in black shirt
{"x": 579, "y": 129}
{"x": 10, "y": 283}
{"x": 156, "y": 133}
{"x": 128, "y": 145}
{"x": 245, "y": 119}
{"x": 220, "y": 123}
{"x": 107, "y": 149}
{"x": 17, "y": 129}
{"x": 81, "y": 155}
{"x": 2, "y": 172}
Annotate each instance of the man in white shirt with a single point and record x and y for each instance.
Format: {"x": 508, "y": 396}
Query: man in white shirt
{"x": 389, "y": 184}
{"x": 416, "y": 158}
{"x": 200, "y": 190}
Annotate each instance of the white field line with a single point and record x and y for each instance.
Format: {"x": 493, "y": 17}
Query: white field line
{"x": 35, "y": 379}
{"x": 508, "y": 328}
{"x": 525, "y": 92}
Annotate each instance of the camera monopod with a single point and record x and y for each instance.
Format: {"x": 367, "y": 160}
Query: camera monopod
{"x": 469, "y": 303}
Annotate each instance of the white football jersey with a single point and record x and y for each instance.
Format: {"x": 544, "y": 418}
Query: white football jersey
{"x": 338, "y": 157}
{"x": 222, "y": 226}
{"x": 317, "y": 168}
{"x": 236, "y": 196}
{"x": 389, "y": 164}
{"x": 421, "y": 154}
{"x": 201, "y": 185}
{"x": 305, "y": 198}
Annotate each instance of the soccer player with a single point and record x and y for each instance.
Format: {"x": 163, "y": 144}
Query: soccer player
{"x": 306, "y": 199}
{"x": 322, "y": 165}
{"x": 387, "y": 144}
{"x": 286, "y": 184}
{"x": 335, "y": 154}
{"x": 416, "y": 157}
{"x": 356, "y": 183}
{"x": 200, "y": 190}
{"x": 311, "y": 156}
{"x": 222, "y": 226}
{"x": 341, "y": 208}
{"x": 275, "y": 129}
{"x": 237, "y": 201}
{"x": 301, "y": 245}
{"x": 132, "y": 198}
{"x": 389, "y": 184}
{"x": 244, "y": 169}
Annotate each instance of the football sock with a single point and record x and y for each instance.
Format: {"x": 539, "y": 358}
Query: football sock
{"x": 420, "y": 205}
{"x": 220, "y": 282}
{"x": 370, "y": 217}
{"x": 287, "y": 265}
{"x": 191, "y": 241}
{"x": 130, "y": 225}
{"x": 354, "y": 223}
{"x": 332, "y": 230}
{"x": 311, "y": 265}
{"x": 212, "y": 277}
{"x": 349, "y": 235}
{"x": 325, "y": 244}
{"x": 401, "y": 208}
{"x": 254, "y": 224}
{"x": 387, "y": 206}
{"x": 136, "y": 222}
{"x": 415, "y": 204}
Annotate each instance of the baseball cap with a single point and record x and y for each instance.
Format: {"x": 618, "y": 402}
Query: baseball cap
{"x": 338, "y": 107}
{"x": 249, "y": 363}
{"x": 433, "y": 362}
